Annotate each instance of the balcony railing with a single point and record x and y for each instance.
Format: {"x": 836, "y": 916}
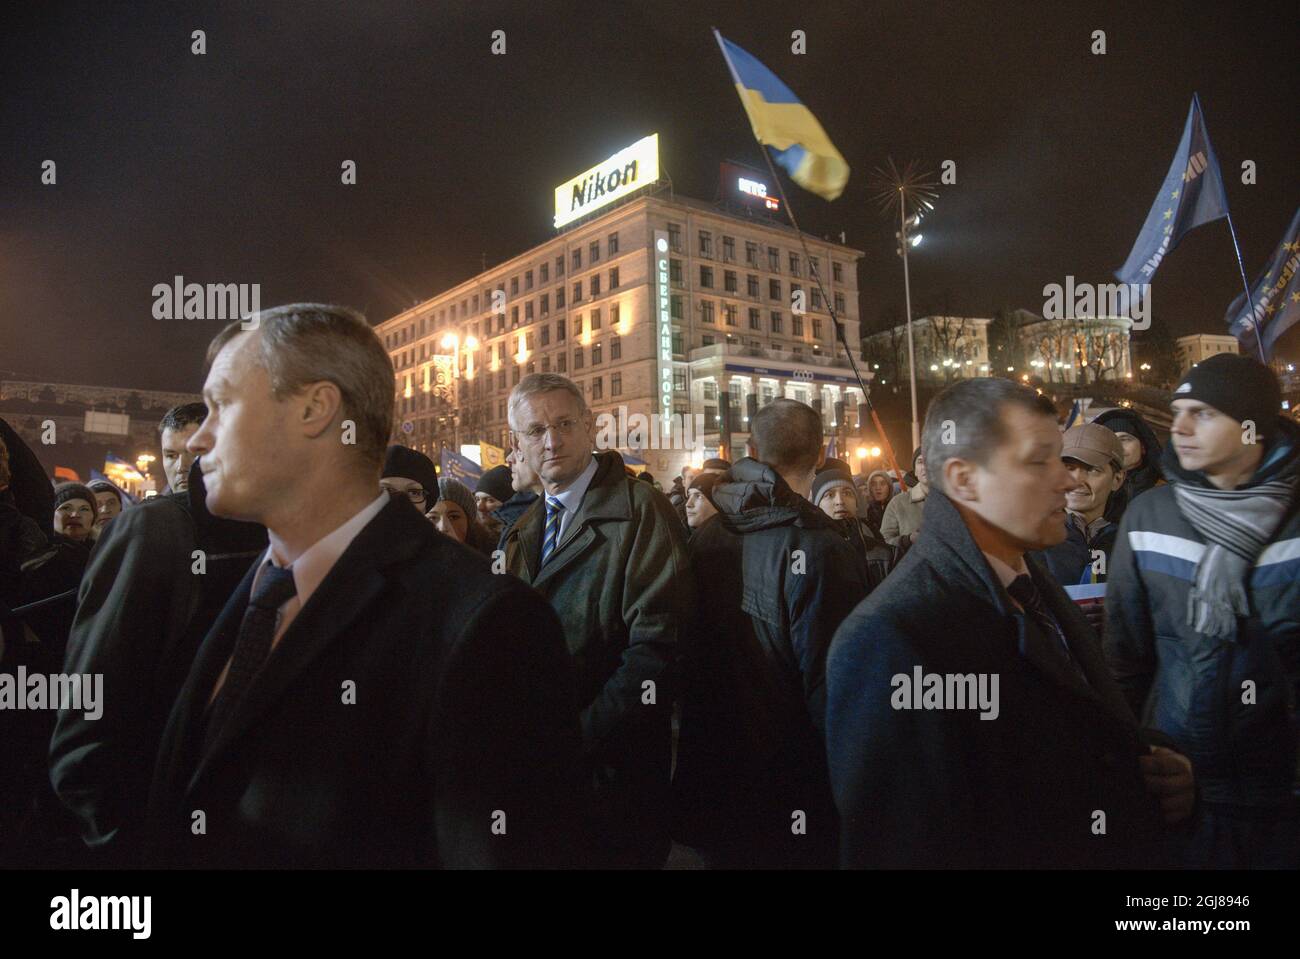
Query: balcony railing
{"x": 827, "y": 359}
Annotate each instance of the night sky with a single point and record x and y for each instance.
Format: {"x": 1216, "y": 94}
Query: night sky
{"x": 226, "y": 167}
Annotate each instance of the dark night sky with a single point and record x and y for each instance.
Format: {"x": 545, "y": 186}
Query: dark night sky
{"x": 225, "y": 167}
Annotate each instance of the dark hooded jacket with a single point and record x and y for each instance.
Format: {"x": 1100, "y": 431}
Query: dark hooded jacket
{"x": 511, "y": 510}
{"x": 1192, "y": 687}
{"x": 775, "y": 577}
{"x": 146, "y": 603}
{"x": 1143, "y": 476}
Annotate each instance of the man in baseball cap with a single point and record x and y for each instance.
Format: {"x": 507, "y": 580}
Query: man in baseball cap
{"x": 1094, "y": 458}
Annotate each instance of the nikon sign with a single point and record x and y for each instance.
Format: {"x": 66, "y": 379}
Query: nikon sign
{"x": 629, "y": 169}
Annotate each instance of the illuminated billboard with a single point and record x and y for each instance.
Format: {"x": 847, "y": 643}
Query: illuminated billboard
{"x": 627, "y": 170}
{"x": 748, "y": 187}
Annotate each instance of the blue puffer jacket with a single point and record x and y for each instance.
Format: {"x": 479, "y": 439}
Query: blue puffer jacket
{"x": 1242, "y": 740}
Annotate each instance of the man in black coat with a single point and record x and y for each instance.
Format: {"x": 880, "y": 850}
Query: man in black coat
{"x": 971, "y": 719}
{"x": 156, "y": 583}
{"x": 371, "y": 696}
{"x": 775, "y": 576}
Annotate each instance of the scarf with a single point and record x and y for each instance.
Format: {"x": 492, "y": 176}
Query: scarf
{"x": 1236, "y": 525}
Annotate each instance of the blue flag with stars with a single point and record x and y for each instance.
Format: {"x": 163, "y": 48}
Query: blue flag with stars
{"x": 1276, "y": 295}
{"x": 1191, "y": 195}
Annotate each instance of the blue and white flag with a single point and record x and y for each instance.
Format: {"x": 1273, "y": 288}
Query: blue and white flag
{"x": 1276, "y": 295}
{"x": 457, "y": 467}
{"x": 1192, "y": 194}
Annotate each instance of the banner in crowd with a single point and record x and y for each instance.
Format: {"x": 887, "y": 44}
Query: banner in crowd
{"x": 457, "y": 467}
{"x": 1276, "y": 295}
{"x": 490, "y": 456}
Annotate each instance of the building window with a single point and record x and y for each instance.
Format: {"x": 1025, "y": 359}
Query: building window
{"x": 514, "y": 288}
{"x": 562, "y": 362}
{"x": 546, "y": 334}
{"x": 817, "y": 328}
{"x": 528, "y": 312}
{"x": 679, "y": 381}
{"x": 595, "y": 319}
{"x": 675, "y": 305}
{"x": 612, "y": 243}
{"x": 577, "y": 359}
{"x": 577, "y": 325}
{"x": 546, "y": 364}
{"x": 675, "y": 271}
{"x": 729, "y": 281}
{"x": 706, "y": 311}
{"x": 560, "y": 331}
{"x": 796, "y": 326}
{"x": 816, "y": 298}
{"x": 596, "y": 351}
{"x": 755, "y": 321}
{"x": 751, "y": 254}
{"x": 814, "y": 267}
{"x": 546, "y": 304}
{"x": 706, "y": 243}
{"x": 837, "y": 272}
{"x": 613, "y": 315}
{"x": 597, "y": 388}
{"x": 474, "y": 300}
{"x": 729, "y": 248}
{"x": 706, "y": 277}
{"x": 514, "y": 375}
{"x": 794, "y": 265}
{"x": 710, "y": 390}
{"x": 514, "y": 317}
{"x": 528, "y": 279}
{"x": 774, "y": 259}
{"x": 613, "y": 278}
{"x": 679, "y": 343}
{"x": 544, "y": 273}
{"x": 577, "y": 292}
{"x": 577, "y": 259}
{"x": 595, "y": 284}
{"x": 593, "y": 252}
{"x": 559, "y": 267}
{"x": 774, "y": 289}
{"x": 501, "y": 351}
{"x": 752, "y": 285}
{"x": 559, "y": 297}
{"x": 707, "y": 339}
{"x": 501, "y": 380}
{"x": 616, "y": 384}
{"x": 675, "y": 237}
{"x": 615, "y": 349}
{"x": 729, "y": 313}
{"x": 776, "y": 321}
{"x": 528, "y": 342}
{"x": 839, "y": 302}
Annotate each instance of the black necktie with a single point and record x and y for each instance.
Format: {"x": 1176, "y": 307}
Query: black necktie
{"x": 274, "y": 588}
{"x": 1025, "y": 592}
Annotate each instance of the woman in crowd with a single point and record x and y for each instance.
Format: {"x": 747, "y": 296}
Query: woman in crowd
{"x": 879, "y": 491}
{"x": 456, "y": 515}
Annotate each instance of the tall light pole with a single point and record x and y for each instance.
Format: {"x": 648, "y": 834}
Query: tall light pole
{"x": 913, "y": 193}
{"x": 451, "y": 341}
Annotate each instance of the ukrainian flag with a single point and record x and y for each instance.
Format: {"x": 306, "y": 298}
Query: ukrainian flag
{"x": 799, "y": 143}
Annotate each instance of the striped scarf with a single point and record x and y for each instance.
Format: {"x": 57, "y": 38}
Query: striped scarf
{"x": 1237, "y": 525}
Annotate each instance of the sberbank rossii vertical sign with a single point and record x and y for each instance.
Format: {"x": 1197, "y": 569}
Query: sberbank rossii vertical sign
{"x": 629, "y": 169}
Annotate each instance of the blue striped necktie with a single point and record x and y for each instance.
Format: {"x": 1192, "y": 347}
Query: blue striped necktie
{"x": 554, "y": 513}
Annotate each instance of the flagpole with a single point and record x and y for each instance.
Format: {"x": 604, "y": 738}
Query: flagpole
{"x": 813, "y": 271}
{"x": 1241, "y": 266}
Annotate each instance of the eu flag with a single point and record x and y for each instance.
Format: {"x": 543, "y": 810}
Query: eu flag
{"x": 799, "y": 143}
{"x": 1276, "y": 295}
{"x": 1191, "y": 195}
{"x": 460, "y": 468}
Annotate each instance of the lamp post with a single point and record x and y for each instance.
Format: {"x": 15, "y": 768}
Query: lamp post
{"x": 451, "y": 341}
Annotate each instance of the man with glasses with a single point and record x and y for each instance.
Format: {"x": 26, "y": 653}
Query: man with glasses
{"x": 609, "y": 554}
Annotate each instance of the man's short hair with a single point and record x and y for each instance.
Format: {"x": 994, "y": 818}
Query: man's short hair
{"x": 965, "y": 421}
{"x": 787, "y": 435}
{"x": 183, "y": 416}
{"x": 304, "y": 343}
{"x": 535, "y": 383}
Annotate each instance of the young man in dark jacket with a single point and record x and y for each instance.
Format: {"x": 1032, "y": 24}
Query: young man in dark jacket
{"x": 775, "y": 577}
{"x": 971, "y": 721}
{"x": 1202, "y": 629}
{"x": 835, "y": 495}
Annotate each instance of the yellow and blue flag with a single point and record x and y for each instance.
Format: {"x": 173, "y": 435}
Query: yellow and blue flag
{"x": 1276, "y": 296}
{"x": 799, "y": 144}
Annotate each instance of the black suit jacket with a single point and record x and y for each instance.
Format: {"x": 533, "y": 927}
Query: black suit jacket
{"x": 945, "y": 788}
{"x": 419, "y": 711}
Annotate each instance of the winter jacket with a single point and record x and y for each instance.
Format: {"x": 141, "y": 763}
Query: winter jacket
{"x": 903, "y": 516}
{"x": 775, "y": 577}
{"x": 1242, "y": 739}
{"x": 510, "y": 511}
{"x": 1071, "y": 562}
{"x": 1144, "y": 476}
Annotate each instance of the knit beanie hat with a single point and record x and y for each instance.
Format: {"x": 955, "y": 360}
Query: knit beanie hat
{"x": 705, "y": 482}
{"x": 413, "y": 465}
{"x": 828, "y": 480}
{"x": 458, "y": 493}
{"x": 1238, "y": 386}
{"x": 66, "y": 491}
{"x": 496, "y": 483}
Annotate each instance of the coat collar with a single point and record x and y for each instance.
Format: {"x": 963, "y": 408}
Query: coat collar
{"x": 390, "y": 539}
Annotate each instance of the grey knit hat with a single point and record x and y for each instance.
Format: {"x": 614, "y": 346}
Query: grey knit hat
{"x": 458, "y": 493}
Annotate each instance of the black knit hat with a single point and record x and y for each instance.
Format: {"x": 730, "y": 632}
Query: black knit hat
{"x": 66, "y": 491}
{"x": 1238, "y": 386}
{"x": 827, "y": 479}
{"x": 413, "y": 465}
{"x": 496, "y": 483}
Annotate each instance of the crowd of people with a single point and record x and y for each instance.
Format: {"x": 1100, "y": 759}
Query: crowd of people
{"x": 1035, "y": 648}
